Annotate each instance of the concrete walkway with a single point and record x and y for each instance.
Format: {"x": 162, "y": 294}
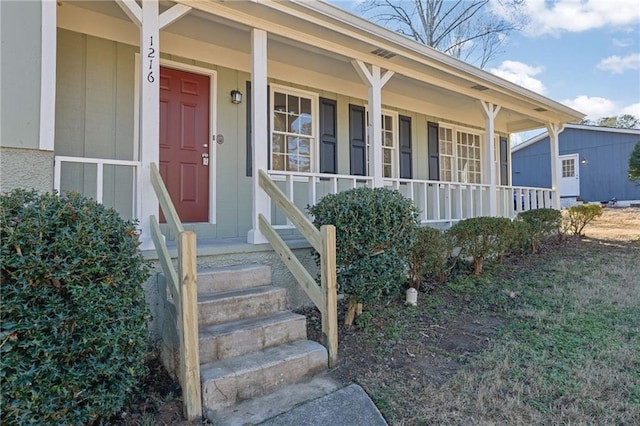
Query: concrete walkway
{"x": 349, "y": 406}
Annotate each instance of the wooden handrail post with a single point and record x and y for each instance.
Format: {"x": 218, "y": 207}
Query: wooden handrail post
{"x": 329, "y": 292}
{"x": 190, "y": 359}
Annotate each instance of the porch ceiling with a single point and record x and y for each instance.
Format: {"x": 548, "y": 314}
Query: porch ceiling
{"x": 319, "y": 40}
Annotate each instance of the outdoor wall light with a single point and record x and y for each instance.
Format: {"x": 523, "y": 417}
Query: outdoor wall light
{"x": 236, "y": 96}
{"x": 584, "y": 160}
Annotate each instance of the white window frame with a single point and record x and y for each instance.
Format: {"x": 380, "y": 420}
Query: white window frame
{"x": 456, "y": 154}
{"x": 315, "y": 126}
{"x": 451, "y": 157}
{"x": 566, "y": 162}
{"x": 395, "y": 154}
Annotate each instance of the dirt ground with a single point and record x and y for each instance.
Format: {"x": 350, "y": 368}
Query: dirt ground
{"x": 446, "y": 338}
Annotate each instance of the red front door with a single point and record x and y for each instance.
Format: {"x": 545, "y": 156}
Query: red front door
{"x": 184, "y": 142}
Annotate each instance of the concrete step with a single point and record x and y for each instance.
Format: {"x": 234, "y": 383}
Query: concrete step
{"x": 257, "y": 410}
{"x": 229, "y": 278}
{"x": 217, "y": 308}
{"x": 230, "y": 339}
{"x": 230, "y": 381}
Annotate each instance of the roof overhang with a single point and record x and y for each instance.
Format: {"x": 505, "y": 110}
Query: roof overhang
{"x": 601, "y": 129}
{"x": 321, "y": 40}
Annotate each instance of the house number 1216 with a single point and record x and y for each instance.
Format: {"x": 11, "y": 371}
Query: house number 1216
{"x": 151, "y": 54}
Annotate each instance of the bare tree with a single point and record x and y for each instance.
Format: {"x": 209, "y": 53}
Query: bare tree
{"x": 626, "y": 121}
{"x": 469, "y": 30}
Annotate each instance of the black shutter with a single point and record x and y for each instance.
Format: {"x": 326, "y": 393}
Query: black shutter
{"x": 504, "y": 161}
{"x": 357, "y": 141}
{"x": 328, "y": 136}
{"x": 249, "y": 149}
{"x": 405, "y": 148}
{"x": 249, "y": 160}
{"x": 268, "y": 126}
{"x": 433, "y": 137}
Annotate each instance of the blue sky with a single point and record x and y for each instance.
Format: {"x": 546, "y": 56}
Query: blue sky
{"x": 584, "y": 54}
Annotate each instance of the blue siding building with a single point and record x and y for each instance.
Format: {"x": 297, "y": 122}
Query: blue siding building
{"x": 593, "y": 163}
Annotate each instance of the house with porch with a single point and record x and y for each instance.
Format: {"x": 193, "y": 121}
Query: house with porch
{"x": 223, "y": 96}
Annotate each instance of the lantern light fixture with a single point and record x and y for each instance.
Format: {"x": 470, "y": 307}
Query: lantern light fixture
{"x": 236, "y": 96}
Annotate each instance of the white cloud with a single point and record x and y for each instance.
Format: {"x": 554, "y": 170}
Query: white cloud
{"x": 547, "y": 17}
{"x": 596, "y": 107}
{"x": 622, "y": 42}
{"x": 521, "y": 74}
{"x": 618, "y": 65}
{"x": 633, "y": 109}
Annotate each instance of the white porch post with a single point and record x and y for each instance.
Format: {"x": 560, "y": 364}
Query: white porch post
{"x": 259, "y": 133}
{"x": 490, "y": 112}
{"x": 375, "y": 81}
{"x": 554, "y": 130}
{"x": 146, "y": 17}
{"x": 150, "y": 23}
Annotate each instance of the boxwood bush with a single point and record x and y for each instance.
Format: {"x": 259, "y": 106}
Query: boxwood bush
{"x": 430, "y": 256}
{"x": 74, "y": 317}
{"x": 482, "y": 238}
{"x": 543, "y": 223}
{"x": 374, "y": 234}
{"x": 580, "y": 215}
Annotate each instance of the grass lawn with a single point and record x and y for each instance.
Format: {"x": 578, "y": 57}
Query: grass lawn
{"x": 546, "y": 339}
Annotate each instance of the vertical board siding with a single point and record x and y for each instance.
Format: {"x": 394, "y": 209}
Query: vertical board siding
{"x": 229, "y": 174}
{"x": 94, "y": 113}
{"x": 20, "y": 26}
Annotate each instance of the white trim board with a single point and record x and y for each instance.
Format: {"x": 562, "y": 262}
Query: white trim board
{"x": 48, "y": 76}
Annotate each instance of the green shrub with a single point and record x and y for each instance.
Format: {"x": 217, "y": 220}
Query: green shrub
{"x": 74, "y": 317}
{"x": 580, "y": 215}
{"x": 374, "y": 233}
{"x": 430, "y": 256}
{"x": 520, "y": 239}
{"x": 543, "y": 223}
{"x": 482, "y": 238}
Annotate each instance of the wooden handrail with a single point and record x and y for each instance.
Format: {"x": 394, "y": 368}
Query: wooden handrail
{"x": 324, "y": 242}
{"x": 296, "y": 217}
{"x": 298, "y": 271}
{"x": 184, "y": 290}
{"x": 164, "y": 199}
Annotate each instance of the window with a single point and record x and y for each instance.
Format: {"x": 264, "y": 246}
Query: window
{"x": 389, "y": 145}
{"x": 460, "y": 158}
{"x": 568, "y": 168}
{"x": 293, "y": 130}
{"x": 468, "y": 157}
{"x": 389, "y": 154}
{"x": 446, "y": 154}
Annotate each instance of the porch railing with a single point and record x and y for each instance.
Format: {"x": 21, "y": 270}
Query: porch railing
{"x": 324, "y": 242}
{"x": 184, "y": 291}
{"x": 444, "y": 202}
{"x": 439, "y": 202}
{"x": 100, "y": 164}
{"x": 515, "y": 199}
